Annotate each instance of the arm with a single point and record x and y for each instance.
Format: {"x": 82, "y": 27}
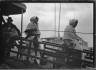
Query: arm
{"x": 30, "y": 30}
{"x": 17, "y": 30}
{"x": 78, "y": 38}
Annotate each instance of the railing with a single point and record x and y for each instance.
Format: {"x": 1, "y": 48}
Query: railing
{"x": 88, "y": 61}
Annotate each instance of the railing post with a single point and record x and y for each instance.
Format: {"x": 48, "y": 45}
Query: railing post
{"x": 94, "y": 54}
{"x": 42, "y": 55}
{"x": 29, "y": 50}
{"x": 18, "y": 52}
{"x": 19, "y": 48}
{"x": 44, "y": 46}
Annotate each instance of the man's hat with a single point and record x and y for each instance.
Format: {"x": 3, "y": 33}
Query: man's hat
{"x": 9, "y": 19}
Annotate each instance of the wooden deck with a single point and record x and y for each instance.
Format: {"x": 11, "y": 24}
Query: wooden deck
{"x": 20, "y": 64}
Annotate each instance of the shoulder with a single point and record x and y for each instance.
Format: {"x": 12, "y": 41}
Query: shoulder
{"x": 13, "y": 24}
{"x": 69, "y": 28}
{"x": 30, "y": 24}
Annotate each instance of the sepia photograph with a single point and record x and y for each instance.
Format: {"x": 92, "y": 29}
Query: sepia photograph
{"x": 48, "y": 35}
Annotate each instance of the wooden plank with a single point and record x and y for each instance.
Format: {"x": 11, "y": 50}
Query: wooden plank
{"x": 87, "y": 61}
{"x": 26, "y": 63}
{"x": 20, "y": 60}
{"x": 56, "y": 50}
{"x": 90, "y": 58}
{"x": 15, "y": 64}
{"x": 89, "y": 65}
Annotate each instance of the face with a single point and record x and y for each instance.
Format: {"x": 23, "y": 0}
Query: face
{"x": 36, "y": 20}
{"x": 75, "y": 24}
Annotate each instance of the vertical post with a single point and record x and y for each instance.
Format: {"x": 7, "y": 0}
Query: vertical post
{"x": 94, "y": 51}
{"x": 19, "y": 50}
{"x": 94, "y": 35}
{"x": 42, "y": 55}
{"x": 59, "y": 21}
{"x": 54, "y": 35}
{"x": 22, "y": 23}
{"x": 44, "y": 46}
{"x": 55, "y": 22}
{"x": 29, "y": 50}
{"x": 74, "y": 13}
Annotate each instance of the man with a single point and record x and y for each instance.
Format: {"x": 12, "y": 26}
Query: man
{"x": 10, "y": 33}
{"x": 70, "y": 38}
{"x": 32, "y": 32}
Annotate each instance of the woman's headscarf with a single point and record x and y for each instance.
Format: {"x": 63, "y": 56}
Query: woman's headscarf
{"x": 73, "y": 22}
{"x": 33, "y": 18}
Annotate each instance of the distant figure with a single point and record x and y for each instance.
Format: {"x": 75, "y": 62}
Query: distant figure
{"x": 33, "y": 33}
{"x": 69, "y": 38}
{"x": 10, "y": 33}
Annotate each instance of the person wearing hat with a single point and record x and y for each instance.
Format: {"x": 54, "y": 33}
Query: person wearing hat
{"x": 10, "y": 33}
{"x": 33, "y": 33}
{"x": 69, "y": 37}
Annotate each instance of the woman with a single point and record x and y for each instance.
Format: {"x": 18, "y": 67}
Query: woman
{"x": 33, "y": 33}
{"x": 70, "y": 35}
{"x": 70, "y": 38}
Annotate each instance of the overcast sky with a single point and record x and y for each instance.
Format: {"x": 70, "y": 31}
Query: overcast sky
{"x": 46, "y": 13}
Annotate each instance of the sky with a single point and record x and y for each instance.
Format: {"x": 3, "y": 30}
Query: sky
{"x": 46, "y": 13}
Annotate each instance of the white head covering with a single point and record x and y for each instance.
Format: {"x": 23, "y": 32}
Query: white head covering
{"x": 33, "y": 18}
{"x": 73, "y": 22}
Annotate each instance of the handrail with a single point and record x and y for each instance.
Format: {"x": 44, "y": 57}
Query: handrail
{"x": 57, "y": 45}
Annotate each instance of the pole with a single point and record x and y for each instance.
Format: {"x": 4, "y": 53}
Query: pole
{"x": 54, "y": 34}
{"x": 59, "y": 21}
{"x": 74, "y": 13}
{"x": 19, "y": 50}
{"x": 55, "y": 22}
{"x": 22, "y": 23}
{"x": 94, "y": 51}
